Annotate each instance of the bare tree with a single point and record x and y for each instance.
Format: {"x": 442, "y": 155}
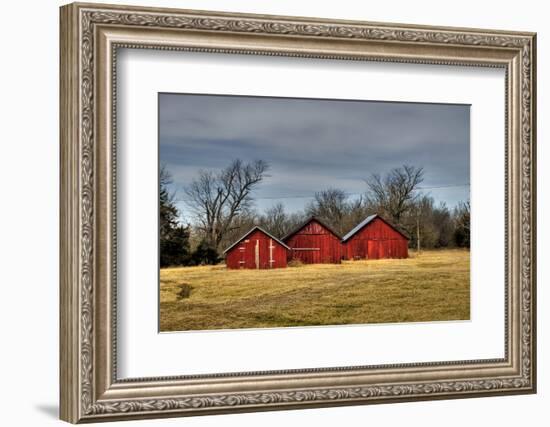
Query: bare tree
{"x": 335, "y": 207}
{"x": 241, "y": 224}
{"x": 218, "y": 198}
{"x": 394, "y": 194}
{"x": 442, "y": 220}
{"x": 330, "y": 205}
{"x": 295, "y": 219}
{"x": 275, "y": 220}
{"x": 461, "y": 216}
{"x": 358, "y": 210}
{"x": 428, "y": 224}
{"x": 420, "y": 218}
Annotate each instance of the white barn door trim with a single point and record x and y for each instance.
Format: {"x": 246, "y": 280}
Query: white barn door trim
{"x": 257, "y": 254}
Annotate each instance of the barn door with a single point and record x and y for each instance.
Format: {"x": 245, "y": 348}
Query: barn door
{"x": 372, "y": 249}
{"x": 242, "y": 254}
{"x": 382, "y": 248}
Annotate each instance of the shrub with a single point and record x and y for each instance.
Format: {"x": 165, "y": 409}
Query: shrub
{"x": 295, "y": 263}
{"x": 185, "y": 291}
{"x": 204, "y": 255}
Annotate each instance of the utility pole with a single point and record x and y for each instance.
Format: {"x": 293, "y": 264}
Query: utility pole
{"x": 418, "y": 230}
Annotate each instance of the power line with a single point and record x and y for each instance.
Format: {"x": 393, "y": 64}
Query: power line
{"x": 444, "y": 186}
{"x": 310, "y": 196}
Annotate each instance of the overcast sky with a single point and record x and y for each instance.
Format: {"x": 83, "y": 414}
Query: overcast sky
{"x": 313, "y": 144}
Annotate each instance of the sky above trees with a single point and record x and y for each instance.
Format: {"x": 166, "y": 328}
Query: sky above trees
{"x": 312, "y": 145}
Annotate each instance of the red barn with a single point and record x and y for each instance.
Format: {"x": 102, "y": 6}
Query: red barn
{"x": 375, "y": 238}
{"x": 314, "y": 242}
{"x": 257, "y": 249}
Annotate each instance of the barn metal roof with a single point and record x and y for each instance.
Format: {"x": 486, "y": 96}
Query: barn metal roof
{"x": 359, "y": 227}
{"x": 256, "y": 227}
{"x": 303, "y": 224}
{"x": 366, "y": 221}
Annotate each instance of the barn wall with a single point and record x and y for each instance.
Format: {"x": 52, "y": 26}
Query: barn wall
{"x": 377, "y": 240}
{"x": 245, "y": 251}
{"x": 318, "y": 245}
{"x": 233, "y": 258}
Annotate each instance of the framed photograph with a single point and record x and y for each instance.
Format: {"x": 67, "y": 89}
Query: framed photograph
{"x": 266, "y": 212}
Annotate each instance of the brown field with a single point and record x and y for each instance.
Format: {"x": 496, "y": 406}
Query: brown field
{"x": 430, "y": 286}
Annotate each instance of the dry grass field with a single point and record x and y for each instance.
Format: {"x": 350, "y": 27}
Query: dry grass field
{"x": 430, "y": 286}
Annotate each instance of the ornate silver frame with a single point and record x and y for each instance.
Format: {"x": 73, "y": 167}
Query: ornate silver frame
{"x": 90, "y": 36}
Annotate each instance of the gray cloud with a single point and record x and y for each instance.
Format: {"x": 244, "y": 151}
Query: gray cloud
{"x": 315, "y": 144}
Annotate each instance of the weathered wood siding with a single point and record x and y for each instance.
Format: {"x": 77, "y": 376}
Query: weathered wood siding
{"x": 315, "y": 244}
{"x": 375, "y": 241}
{"x": 257, "y": 250}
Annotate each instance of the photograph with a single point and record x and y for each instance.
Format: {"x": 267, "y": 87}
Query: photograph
{"x": 296, "y": 212}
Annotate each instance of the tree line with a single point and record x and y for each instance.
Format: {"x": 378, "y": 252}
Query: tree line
{"x": 222, "y": 208}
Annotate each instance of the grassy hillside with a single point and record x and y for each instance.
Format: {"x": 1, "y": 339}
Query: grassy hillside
{"x": 434, "y": 285}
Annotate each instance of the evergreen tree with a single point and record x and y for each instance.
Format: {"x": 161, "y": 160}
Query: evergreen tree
{"x": 205, "y": 254}
{"x": 174, "y": 237}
